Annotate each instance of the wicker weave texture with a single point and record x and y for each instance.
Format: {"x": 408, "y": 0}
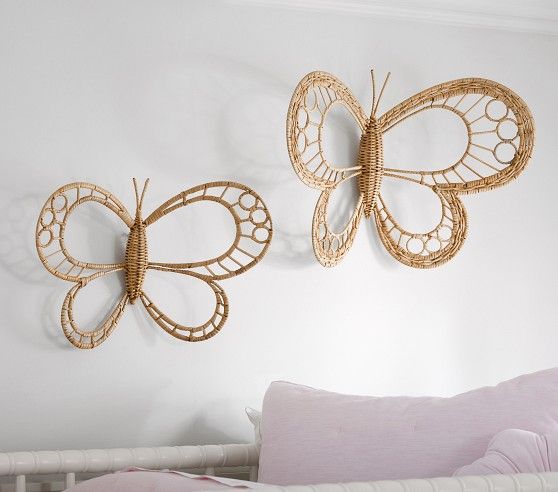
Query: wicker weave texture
{"x": 253, "y": 234}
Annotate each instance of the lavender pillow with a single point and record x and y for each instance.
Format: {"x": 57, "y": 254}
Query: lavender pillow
{"x": 516, "y": 451}
{"x": 313, "y": 436}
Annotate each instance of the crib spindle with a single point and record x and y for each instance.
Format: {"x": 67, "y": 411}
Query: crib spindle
{"x": 20, "y": 483}
{"x": 70, "y": 480}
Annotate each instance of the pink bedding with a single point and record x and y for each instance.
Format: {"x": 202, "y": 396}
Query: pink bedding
{"x": 516, "y": 451}
{"x": 139, "y": 480}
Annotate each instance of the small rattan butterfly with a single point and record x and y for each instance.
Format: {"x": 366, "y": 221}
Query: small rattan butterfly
{"x": 252, "y": 239}
{"x": 500, "y": 136}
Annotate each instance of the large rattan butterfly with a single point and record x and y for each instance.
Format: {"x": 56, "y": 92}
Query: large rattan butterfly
{"x": 500, "y": 135}
{"x": 252, "y": 239}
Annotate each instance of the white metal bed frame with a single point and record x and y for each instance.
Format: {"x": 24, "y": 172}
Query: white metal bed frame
{"x": 212, "y": 458}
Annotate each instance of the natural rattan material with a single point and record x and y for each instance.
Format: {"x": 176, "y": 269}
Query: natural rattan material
{"x": 485, "y": 107}
{"x": 252, "y": 239}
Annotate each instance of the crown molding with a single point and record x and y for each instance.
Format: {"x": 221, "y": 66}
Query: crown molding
{"x": 531, "y": 16}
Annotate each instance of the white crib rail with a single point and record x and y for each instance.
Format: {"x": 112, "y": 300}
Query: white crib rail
{"x": 523, "y": 482}
{"x": 208, "y": 457}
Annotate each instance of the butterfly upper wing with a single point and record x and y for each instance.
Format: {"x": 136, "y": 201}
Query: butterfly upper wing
{"x": 480, "y": 168}
{"x": 314, "y": 96}
{"x": 51, "y": 228}
{"x": 475, "y": 101}
{"x": 252, "y": 223}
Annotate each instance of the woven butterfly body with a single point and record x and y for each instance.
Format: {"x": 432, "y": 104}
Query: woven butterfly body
{"x": 253, "y": 233}
{"x": 500, "y": 136}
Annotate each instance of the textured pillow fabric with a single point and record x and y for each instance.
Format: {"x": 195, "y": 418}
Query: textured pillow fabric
{"x": 138, "y": 480}
{"x": 313, "y": 436}
{"x": 516, "y": 451}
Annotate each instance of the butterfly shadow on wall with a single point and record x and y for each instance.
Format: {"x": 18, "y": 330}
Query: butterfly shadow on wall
{"x": 253, "y": 143}
{"x": 499, "y": 130}
{"x": 238, "y": 131}
{"x": 18, "y": 259}
{"x": 253, "y": 233}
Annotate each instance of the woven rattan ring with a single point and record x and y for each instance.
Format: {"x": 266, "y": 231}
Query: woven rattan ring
{"x": 500, "y": 134}
{"x": 252, "y": 239}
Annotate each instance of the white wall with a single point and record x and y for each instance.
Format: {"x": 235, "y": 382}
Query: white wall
{"x": 185, "y": 92}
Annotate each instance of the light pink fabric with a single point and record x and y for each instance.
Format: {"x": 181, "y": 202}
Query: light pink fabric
{"x": 516, "y": 451}
{"x": 138, "y": 480}
{"x": 313, "y": 436}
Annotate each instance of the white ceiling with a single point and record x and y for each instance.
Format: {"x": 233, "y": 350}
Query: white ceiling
{"x": 536, "y": 16}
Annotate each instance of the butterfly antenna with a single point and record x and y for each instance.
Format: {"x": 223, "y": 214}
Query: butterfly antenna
{"x": 375, "y": 108}
{"x": 143, "y": 193}
{"x": 373, "y": 90}
{"x": 139, "y": 199}
{"x": 136, "y": 192}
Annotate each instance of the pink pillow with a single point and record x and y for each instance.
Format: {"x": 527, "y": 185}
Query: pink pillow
{"x": 137, "y": 480}
{"x": 516, "y": 451}
{"x": 313, "y": 436}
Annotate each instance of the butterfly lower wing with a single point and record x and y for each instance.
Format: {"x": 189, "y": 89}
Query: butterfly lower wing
{"x": 88, "y": 339}
{"x": 330, "y": 247}
{"x": 192, "y": 333}
{"x": 500, "y": 134}
{"x": 51, "y": 228}
{"x": 252, "y": 223}
{"x": 314, "y": 96}
{"x": 429, "y": 249}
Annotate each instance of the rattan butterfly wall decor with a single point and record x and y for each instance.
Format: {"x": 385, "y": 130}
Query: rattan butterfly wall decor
{"x": 499, "y": 130}
{"x": 253, "y": 233}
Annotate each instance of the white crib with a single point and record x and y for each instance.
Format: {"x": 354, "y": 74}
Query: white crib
{"x": 49, "y": 466}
